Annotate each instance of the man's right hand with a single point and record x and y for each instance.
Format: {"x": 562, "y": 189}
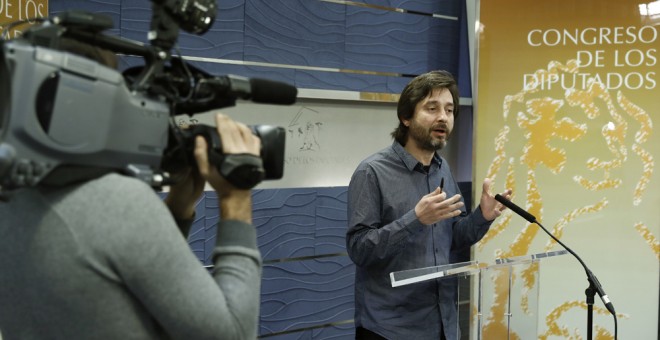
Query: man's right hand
{"x": 435, "y": 207}
{"x": 236, "y": 138}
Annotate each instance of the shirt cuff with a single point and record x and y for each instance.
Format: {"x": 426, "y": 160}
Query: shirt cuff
{"x": 236, "y": 233}
{"x": 410, "y": 220}
{"x": 479, "y": 218}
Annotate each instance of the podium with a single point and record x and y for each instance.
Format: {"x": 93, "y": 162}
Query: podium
{"x": 495, "y": 300}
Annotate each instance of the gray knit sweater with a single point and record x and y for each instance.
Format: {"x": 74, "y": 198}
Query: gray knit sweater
{"x": 105, "y": 260}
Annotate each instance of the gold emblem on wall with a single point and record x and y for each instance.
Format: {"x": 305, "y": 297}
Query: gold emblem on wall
{"x": 589, "y": 141}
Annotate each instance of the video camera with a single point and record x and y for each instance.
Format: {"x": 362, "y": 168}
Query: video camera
{"x": 65, "y": 118}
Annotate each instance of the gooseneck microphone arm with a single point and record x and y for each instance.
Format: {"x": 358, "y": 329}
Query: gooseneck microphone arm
{"x": 594, "y": 284}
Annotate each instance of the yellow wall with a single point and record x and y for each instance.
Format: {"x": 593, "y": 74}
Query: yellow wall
{"x": 19, "y": 10}
{"x": 567, "y": 95}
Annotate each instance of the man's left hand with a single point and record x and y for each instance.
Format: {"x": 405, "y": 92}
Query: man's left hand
{"x": 490, "y": 207}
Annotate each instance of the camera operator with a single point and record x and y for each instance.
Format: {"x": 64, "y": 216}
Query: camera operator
{"x": 105, "y": 259}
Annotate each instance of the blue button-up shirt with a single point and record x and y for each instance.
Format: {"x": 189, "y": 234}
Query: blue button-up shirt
{"x": 385, "y": 236}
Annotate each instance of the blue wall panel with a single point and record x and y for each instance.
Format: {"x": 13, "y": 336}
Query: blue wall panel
{"x": 303, "y": 294}
{"x": 331, "y": 221}
{"x": 336, "y": 331}
{"x": 385, "y": 41}
{"x": 295, "y": 32}
{"x": 228, "y": 32}
{"x": 464, "y": 76}
{"x": 135, "y": 19}
{"x": 442, "y": 46}
{"x": 364, "y": 48}
{"x": 285, "y": 221}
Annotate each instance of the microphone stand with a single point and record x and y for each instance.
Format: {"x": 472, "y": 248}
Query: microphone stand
{"x": 594, "y": 285}
{"x": 590, "y": 292}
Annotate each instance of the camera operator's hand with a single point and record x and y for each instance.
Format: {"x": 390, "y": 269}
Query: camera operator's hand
{"x": 184, "y": 194}
{"x": 236, "y": 138}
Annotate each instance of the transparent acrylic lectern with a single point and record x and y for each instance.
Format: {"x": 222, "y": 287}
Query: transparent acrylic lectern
{"x": 496, "y": 300}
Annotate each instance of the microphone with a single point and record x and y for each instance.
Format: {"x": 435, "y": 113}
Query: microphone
{"x": 193, "y": 90}
{"x": 518, "y": 210}
{"x": 590, "y": 276}
{"x": 258, "y": 90}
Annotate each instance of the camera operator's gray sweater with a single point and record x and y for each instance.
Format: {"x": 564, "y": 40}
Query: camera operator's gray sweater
{"x": 105, "y": 260}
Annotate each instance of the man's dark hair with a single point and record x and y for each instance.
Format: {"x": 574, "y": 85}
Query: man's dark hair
{"x": 417, "y": 90}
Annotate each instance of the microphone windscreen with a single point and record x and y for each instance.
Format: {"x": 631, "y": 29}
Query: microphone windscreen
{"x": 272, "y": 92}
{"x": 518, "y": 210}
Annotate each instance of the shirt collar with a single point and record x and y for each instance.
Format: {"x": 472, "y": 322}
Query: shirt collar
{"x": 410, "y": 161}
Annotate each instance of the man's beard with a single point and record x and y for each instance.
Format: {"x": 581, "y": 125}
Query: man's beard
{"x": 424, "y": 138}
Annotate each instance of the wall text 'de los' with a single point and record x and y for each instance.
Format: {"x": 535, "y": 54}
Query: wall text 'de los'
{"x": 21, "y": 10}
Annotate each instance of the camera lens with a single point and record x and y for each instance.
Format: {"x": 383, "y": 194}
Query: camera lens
{"x": 272, "y": 149}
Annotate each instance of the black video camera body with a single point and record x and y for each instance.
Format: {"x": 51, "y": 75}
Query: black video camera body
{"x": 66, "y": 118}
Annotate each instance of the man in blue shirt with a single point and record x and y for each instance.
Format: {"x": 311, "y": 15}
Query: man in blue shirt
{"x": 401, "y": 217}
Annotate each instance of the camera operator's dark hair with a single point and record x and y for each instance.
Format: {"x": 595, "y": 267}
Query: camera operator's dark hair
{"x": 105, "y": 57}
{"x": 418, "y": 89}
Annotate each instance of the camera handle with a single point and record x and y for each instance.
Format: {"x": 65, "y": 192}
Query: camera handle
{"x": 243, "y": 170}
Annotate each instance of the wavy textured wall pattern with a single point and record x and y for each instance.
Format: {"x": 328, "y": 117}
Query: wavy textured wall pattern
{"x": 307, "y": 282}
{"x": 369, "y": 46}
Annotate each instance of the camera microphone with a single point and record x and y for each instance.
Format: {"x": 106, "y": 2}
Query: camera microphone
{"x": 204, "y": 92}
{"x": 257, "y": 90}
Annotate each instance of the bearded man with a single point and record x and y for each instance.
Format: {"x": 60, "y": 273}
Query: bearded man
{"x": 405, "y": 211}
